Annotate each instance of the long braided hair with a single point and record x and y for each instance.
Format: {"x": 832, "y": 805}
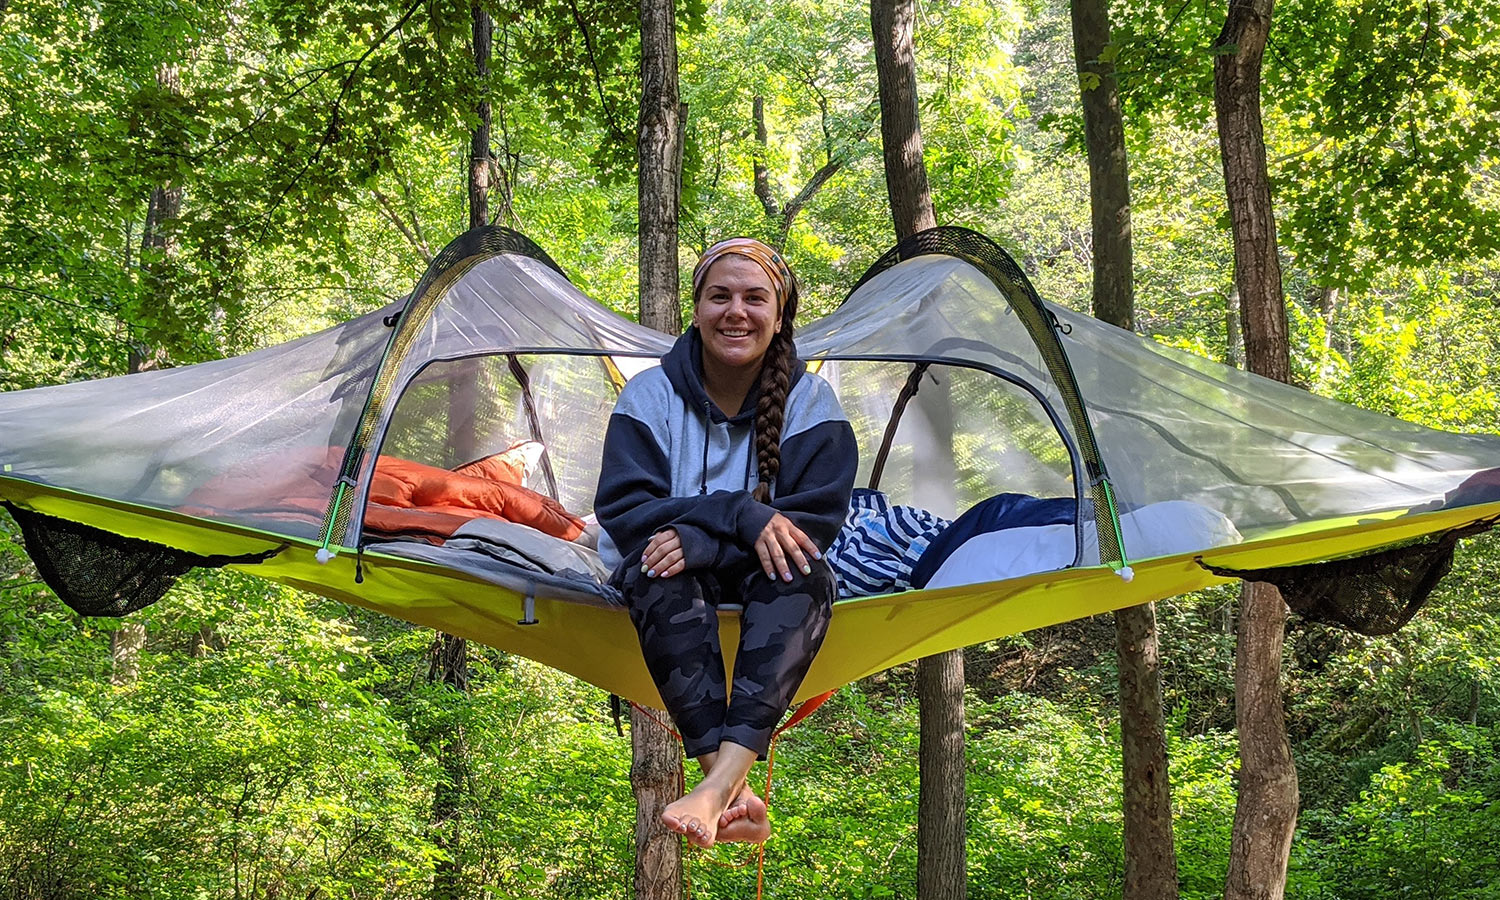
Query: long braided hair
{"x": 776, "y": 365}
{"x": 770, "y": 409}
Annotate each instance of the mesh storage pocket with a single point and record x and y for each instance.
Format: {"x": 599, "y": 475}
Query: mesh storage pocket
{"x": 98, "y": 573}
{"x": 1372, "y": 594}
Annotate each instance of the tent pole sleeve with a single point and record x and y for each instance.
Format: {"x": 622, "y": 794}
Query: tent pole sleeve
{"x": 1114, "y": 517}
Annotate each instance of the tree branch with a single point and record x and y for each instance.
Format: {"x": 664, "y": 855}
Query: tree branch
{"x": 836, "y": 160}
{"x": 331, "y": 131}
{"x": 17, "y": 289}
{"x": 411, "y": 237}
{"x": 588, "y": 44}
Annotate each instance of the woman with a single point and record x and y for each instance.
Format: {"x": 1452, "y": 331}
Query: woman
{"x": 726, "y": 475}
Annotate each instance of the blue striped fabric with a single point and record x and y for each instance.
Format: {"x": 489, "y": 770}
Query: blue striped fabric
{"x": 879, "y": 544}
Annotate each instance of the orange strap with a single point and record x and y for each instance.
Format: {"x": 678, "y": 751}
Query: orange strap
{"x": 803, "y": 710}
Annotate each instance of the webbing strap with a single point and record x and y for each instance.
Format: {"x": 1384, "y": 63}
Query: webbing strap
{"x": 908, "y": 390}
{"x": 804, "y": 709}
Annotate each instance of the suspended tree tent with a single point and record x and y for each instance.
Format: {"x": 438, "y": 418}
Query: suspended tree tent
{"x": 960, "y": 383}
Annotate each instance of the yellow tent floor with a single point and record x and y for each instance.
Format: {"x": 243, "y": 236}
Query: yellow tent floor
{"x": 597, "y": 643}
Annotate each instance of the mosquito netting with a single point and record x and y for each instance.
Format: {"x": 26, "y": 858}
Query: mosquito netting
{"x": 960, "y": 384}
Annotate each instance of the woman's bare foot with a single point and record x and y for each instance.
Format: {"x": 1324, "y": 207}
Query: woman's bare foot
{"x": 745, "y": 821}
{"x": 696, "y": 814}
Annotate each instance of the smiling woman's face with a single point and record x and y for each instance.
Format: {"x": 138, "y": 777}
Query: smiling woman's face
{"x": 736, "y": 312}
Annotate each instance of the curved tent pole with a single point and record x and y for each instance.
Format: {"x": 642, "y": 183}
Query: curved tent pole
{"x": 467, "y": 250}
{"x": 1007, "y": 277}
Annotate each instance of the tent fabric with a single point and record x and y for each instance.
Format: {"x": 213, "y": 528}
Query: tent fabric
{"x": 960, "y": 385}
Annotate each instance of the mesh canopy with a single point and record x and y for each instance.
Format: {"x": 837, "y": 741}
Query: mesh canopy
{"x": 1175, "y": 426}
{"x": 1169, "y": 425}
{"x": 959, "y": 382}
{"x": 156, "y": 438}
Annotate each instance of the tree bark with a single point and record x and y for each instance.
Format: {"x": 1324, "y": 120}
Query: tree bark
{"x": 1265, "y": 813}
{"x": 1109, "y": 173}
{"x": 449, "y": 664}
{"x": 660, "y": 174}
{"x": 125, "y": 645}
{"x": 656, "y": 780}
{"x": 892, "y": 21}
{"x": 1150, "y": 854}
{"x": 479, "y": 145}
{"x": 1257, "y": 267}
{"x": 942, "y": 849}
{"x": 656, "y": 763}
{"x": 942, "y": 839}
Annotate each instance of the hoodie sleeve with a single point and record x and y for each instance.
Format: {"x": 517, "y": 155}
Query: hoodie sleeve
{"x": 634, "y": 499}
{"x": 718, "y": 530}
{"x": 817, "y": 476}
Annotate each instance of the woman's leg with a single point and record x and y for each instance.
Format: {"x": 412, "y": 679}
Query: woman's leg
{"x": 679, "y": 633}
{"x": 781, "y": 630}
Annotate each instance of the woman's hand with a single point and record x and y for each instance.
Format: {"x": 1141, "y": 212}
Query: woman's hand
{"x": 782, "y": 545}
{"x": 662, "y": 557}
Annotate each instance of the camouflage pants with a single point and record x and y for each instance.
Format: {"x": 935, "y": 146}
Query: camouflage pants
{"x": 781, "y": 629}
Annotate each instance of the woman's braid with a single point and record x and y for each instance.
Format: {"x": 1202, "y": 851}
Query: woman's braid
{"x": 770, "y": 410}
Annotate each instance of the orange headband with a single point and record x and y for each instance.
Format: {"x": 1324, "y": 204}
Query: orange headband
{"x": 753, "y": 250}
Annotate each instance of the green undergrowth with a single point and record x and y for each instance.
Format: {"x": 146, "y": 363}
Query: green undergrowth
{"x": 278, "y": 745}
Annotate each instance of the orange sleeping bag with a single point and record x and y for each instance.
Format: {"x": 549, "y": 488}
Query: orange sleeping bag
{"x": 405, "y": 497}
{"x": 401, "y": 485}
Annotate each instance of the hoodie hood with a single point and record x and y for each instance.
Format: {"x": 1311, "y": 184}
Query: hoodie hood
{"x": 683, "y": 366}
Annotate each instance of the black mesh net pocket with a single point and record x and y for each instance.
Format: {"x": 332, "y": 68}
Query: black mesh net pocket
{"x": 99, "y": 573}
{"x": 1372, "y": 594}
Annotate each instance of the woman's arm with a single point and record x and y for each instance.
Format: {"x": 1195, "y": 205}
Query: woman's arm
{"x": 818, "y": 466}
{"x": 634, "y": 500}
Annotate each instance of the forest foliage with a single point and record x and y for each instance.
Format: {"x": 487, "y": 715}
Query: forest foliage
{"x": 276, "y": 744}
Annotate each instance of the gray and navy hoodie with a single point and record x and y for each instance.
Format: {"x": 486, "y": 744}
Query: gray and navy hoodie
{"x": 673, "y": 460}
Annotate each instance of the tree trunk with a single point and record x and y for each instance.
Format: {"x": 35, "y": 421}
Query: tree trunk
{"x": 1257, "y": 268}
{"x": 1150, "y": 855}
{"x": 450, "y": 655}
{"x": 891, "y": 22}
{"x": 479, "y": 146}
{"x": 157, "y": 244}
{"x": 125, "y": 645}
{"x": 656, "y": 763}
{"x": 660, "y": 168}
{"x": 1234, "y": 342}
{"x": 941, "y": 837}
{"x": 1109, "y": 174}
{"x": 450, "y": 664}
{"x": 1265, "y": 813}
{"x": 656, "y": 780}
{"x": 1266, "y": 810}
